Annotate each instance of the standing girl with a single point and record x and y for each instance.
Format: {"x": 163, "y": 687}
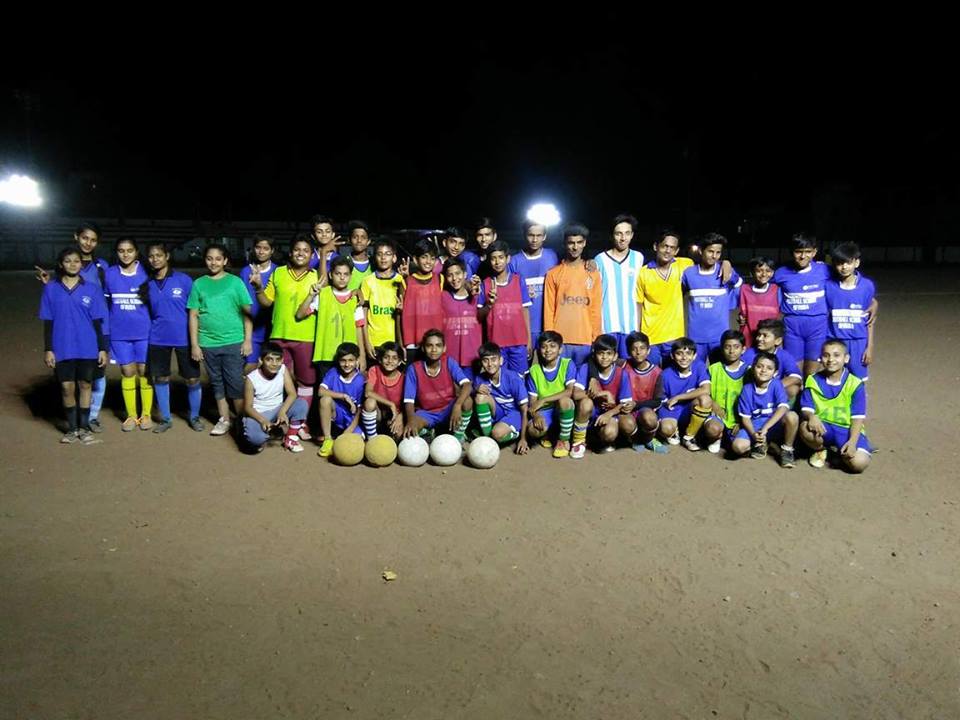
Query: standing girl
{"x": 261, "y": 264}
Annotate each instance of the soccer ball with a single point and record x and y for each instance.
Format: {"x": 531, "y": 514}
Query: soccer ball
{"x": 413, "y": 451}
{"x": 381, "y": 451}
{"x": 445, "y": 450}
{"x": 483, "y": 453}
{"x": 348, "y": 449}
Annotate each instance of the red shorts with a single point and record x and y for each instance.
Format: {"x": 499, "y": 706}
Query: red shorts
{"x": 298, "y": 357}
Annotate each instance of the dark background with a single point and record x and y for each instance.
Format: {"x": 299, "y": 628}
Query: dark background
{"x": 756, "y": 135}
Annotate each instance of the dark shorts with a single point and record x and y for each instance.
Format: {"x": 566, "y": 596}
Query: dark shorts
{"x": 75, "y": 370}
{"x": 158, "y": 362}
{"x": 298, "y": 357}
{"x": 225, "y": 368}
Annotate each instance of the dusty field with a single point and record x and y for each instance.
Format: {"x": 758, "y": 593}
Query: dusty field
{"x": 172, "y": 577}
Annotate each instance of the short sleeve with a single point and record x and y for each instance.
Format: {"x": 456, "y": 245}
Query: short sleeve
{"x": 456, "y": 371}
{"x": 410, "y": 385}
{"x": 193, "y": 301}
{"x": 858, "y": 403}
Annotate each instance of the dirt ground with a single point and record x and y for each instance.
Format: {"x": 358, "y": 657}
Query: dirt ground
{"x": 169, "y": 576}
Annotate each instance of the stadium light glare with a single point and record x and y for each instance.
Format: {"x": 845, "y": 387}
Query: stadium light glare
{"x": 20, "y": 190}
{"x": 544, "y": 214}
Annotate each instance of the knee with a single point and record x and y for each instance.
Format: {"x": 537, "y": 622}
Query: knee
{"x": 370, "y": 405}
{"x": 565, "y": 403}
{"x": 585, "y": 406}
{"x": 608, "y": 433}
{"x": 712, "y": 430}
{"x": 740, "y": 447}
{"x": 326, "y": 401}
{"x": 468, "y": 403}
{"x": 858, "y": 463}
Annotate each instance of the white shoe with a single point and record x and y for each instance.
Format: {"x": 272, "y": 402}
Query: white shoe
{"x": 690, "y": 444}
{"x": 674, "y": 439}
{"x": 222, "y": 427}
{"x": 714, "y": 447}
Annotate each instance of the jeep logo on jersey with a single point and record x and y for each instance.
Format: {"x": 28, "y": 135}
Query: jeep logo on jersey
{"x": 574, "y": 300}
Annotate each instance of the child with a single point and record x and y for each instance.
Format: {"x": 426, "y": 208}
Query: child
{"x": 338, "y": 315}
{"x": 380, "y": 296}
{"x": 341, "y": 395}
{"x": 850, "y": 302}
{"x": 532, "y": 264}
{"x": 660, "y": 296}
{"x": 271, "y": 402}
{"x": 454, "y": 244}
{"x": 550, "y": 384}
{"x": 326, "y": 240}
{"x": 73, "y": 312}
{"x": 261, "y": 265}
{"x": 461, "y": 326}
{"x": 286, "y": 291}
{"x": 167, "y": 293}
{"x": 436, "y": 393}
{"x": 130, "y": 332}
{"x": 769, "y": 338}
{"x": 708, "y": 296}
{"x": 486, "y": 235}
{"x": 726, "y": 383}
{"x": 572, "y": 297}
{"x": 504, "y": 306}
{"x": 765, "y": 414}
{"x": 359, "y": 243}
{"x": 501, "y": 400}
{"x": 383, "y": 394}
{"x": 619, "y": 267}
{"x": 686, "y": 389}
{"x": 611, "y": 393}
{"x": 220, "y": 329}
{"x": 422, "y": 307}
{"x": 803, "y": 302}
{"x": 760, "y": 300}
{"x": 833, "y": 408}
{"x": 646, "y": 391}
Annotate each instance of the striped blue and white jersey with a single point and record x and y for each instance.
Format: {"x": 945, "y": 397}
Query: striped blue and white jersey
{"x": 620, "y": 291}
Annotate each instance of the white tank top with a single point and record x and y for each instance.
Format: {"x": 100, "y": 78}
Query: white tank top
{"x": 267, "y": 394}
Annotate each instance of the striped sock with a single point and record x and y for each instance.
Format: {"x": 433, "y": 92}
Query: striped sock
{"x": 485, "y": 418}
{"x": 698, "y": 416}
{"x": 128, "y": 385}
{"x": 461, "y": 432}
{"x": 509, "y": 437}
{"x": 305, "y": 393}
{"x": 579, "y": 433}
{"x": 96, "y": 397}
{"x": 163, "y": 400}
{"x": 194, "y": 394}
{"x": 146, "y": 397}
{"x": 368, "y": 419}
{"x": 566, "y": 424}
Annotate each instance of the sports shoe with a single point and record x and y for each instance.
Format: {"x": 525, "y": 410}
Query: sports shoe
{"x": 145, "y": 422}
{"x": 162, "y": 426}
{"x": 71, "y": 436}
{"x": 95, "y": 425}
{"x": 304, "y": 434}
{"x": 426, "y": 433}
{"x": 786, "y": 458}
{"x": 657, "y": 447}
{"x": 561, "y": 449}
{"x": 129, "y": 424}
{"x": 714, "y": 447}
{"x": 326, "y": 448}
{"x": 546, "y": 442}
{"x": 690, "y": 443}
{"x": 818, "y": 459}
{"x": 578, "y": 450}
{"x": 222, "y": 427}
{"x": 758, "y": 451}
{"x": 606, "y": 449}
{"x": 674, "y": 439}
{"x": 88, "y": 438}
{"x": 292, "y": 443}
{"x": 196, "y": 424}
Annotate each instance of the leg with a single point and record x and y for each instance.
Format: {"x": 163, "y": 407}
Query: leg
{"x": 128, "y": 385}
{"x": 858, "y": 463}
{"x": 712, "y": 430}
{"x": 627, "y": 425}
{"x": 486, "y": 409}
{"x": 368, "y": 417}
{"x": 326, "y": 417}
{"x": 146, "y": 396}
{"x": 578, "y": 437}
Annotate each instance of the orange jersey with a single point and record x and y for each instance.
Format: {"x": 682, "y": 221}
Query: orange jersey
{"x": 572, "y": 303}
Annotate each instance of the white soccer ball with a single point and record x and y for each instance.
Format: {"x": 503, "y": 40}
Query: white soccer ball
{"x": 413, "y": 451}
{"x": 483, "y": 453}
{"x": 446, "y": 450}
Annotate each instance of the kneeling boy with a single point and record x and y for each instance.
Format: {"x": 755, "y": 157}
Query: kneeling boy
{"x": 765, "y": 414}
{"x": 501, "y": 400}
{"x": 271, "y": 402}
{"x": 550, "y": 384}
{"x": 686, "y": 388}
{"x": 341, "y": 395}
{"x": 436, "y": 393}
{"x": 610, "y": 392}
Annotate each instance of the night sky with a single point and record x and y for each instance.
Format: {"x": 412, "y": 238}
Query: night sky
{"x": 407, "y": 133}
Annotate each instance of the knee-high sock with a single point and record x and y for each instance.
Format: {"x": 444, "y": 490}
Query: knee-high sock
{"x": 460, "y": 432}
{"x": 72, "y": 416}
{"x": 566, "y": 424}
{"x": 96, "y": 396}
{"x": 485, "y": 418}
{"x": 305, "y": 393}
{"x": 83, "y": 418}
{"x": 697, "y": 418}
{"x": 146, "y": 397}
{"x": 193, "y": 397}
{"x": 163, "y": 399}
{"x": 579, "y": 432}
{"x": 368, "y": 420}
{"x": 129, "y": 387}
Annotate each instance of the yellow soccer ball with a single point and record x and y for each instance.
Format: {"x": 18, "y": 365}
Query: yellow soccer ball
{"x": 348, "y": 449}
{"x": 381, "y": 451}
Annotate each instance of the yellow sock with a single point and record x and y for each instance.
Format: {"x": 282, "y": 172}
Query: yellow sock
{"x": 697, "y": 418}
{"x": 146, "y": 397}
{"x": 129, "y": 387}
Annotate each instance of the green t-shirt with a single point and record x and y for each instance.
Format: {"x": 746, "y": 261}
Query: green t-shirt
{"x": 336, "y": 324}
{"x": 219, "y": 304}
{"x": 725, "y": 390}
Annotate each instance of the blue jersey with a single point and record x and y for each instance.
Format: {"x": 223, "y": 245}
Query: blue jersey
{"x": 760, "y": 405}
{"x": 335, "y": 382}
{"x": 848, "y": 308}
{"x": 788, "y": 365}
{"x": 92, "y": 272}
{"x": 858, "y": 403}
{"x": 533, "y": 270}
{"x": 803, "y": 292}
{"x": 72, "y": 313}
{"x": 129, "y": 318}
{"x": 261, "y": 315}
{"x": 551, "y": 375}
{"x": 511, "y": 393}
{"x": 168, "y": 309}
{"x": 619, "y": 282}
{"x": 472, "y": 261}
{"x": 675, "y": 383}
{"x": 615, "y": 381}
{"x": 708, "y": 303}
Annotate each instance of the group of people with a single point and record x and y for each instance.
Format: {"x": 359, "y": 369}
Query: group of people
{"x": 527, "y": 347}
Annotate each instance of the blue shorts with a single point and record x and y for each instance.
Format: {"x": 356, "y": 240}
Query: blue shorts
{"x": 660, "y": 353}
{"x": 578, "y": 353}
{"x": 775, "y": 433}
{"x": 704, "y": 351}
{"x": 342, "y": 418}
{"x": 836, "y": 436}
{"x": 622, "y": 352}
{"x": 508, "y": 416}
{"x": 126, "y": 352}
{"x": 856, "y": 347}
{"x": 682, "y": 413}
{"x": 515, "y": 358}
{"x": 547, "y": 413}
{"x": 254, "y": 357}
{"x": 436, "y": 418}
{"x": 805, "y": 336}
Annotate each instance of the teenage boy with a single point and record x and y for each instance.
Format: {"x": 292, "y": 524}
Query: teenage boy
{"x": 619, "y": 268}
{"x": 436, "y": 393}
{"x": 708, "y": 297}
{"x": 422, "y": 307}
{"x": 769, "y": 338}
{"x": 726, "y": 384}
{"x": 851, "y": 301}
{"x": 803, "y": 301}
{"x": 504, "y": 308}
{"x": 532, "y": 264}
{"x": 501, "y": 399}
{"x": 380, "y": 295}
